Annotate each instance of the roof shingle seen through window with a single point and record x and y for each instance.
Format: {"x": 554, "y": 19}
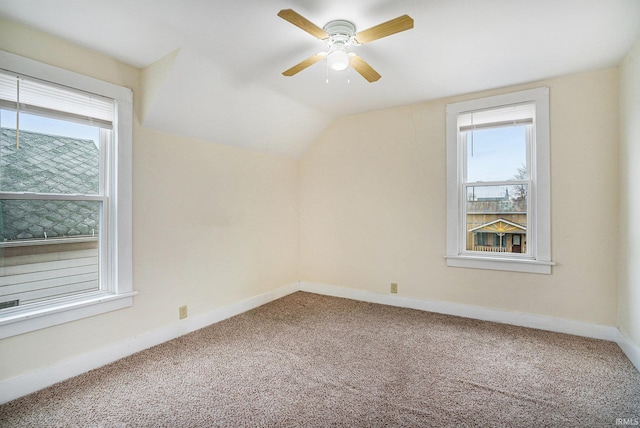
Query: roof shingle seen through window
{"x": 47, "y": 164}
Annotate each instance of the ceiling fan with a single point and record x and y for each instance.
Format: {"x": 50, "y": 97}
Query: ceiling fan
{"x": 339, "y": 36}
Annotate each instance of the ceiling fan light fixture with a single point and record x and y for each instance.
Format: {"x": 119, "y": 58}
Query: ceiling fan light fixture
{"x": 339, "y": 35}
{"x": 338, "y": 60}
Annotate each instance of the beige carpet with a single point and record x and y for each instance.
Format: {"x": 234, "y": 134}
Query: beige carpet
{"x": 309, "y": 360}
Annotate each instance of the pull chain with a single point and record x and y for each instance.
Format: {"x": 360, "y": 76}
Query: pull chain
{"x": 17, "y": 113}
{"x": 472, "y": 132}
{"x": 327, "y": 69}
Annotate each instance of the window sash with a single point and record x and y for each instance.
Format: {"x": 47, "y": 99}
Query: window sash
{"x": 462, "y": 149}
{"x": 463, "y": 232}
{"x": 105, "y": 150}
{"x": 51, "y": 269}
{"x": 463, "y": 185}
{"x": 105, "y": 283}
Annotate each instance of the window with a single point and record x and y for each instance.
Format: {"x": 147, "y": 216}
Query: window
{"x": 65, "y": 196}
{"x": 498, "y": 189}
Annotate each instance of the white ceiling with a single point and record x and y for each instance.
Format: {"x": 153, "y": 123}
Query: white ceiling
{"x": 225, "y": 83}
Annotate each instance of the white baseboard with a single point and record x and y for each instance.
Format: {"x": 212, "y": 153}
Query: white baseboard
{"x": 521, "y": 319}
{"x": 629, "y": 348}
{"x": 19, "y": 386}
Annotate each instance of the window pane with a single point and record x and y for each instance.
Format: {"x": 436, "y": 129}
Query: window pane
{"x": 48, "y": 156}
{"x": 49, "y": 249}
{"x": 496, "y": 218}
{"x": 497, "y": 154}
{"x": 42, "y": 219}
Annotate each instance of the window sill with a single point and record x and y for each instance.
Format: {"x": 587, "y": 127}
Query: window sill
{"x": 27, "y": 319}
{"x": 504, "y": 264}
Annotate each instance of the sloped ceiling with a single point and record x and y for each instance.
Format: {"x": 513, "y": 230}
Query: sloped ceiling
{"x": 212, "y": 69}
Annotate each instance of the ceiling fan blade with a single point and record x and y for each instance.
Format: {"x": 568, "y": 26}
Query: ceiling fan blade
{"x": 397, "y": 25}
{"x": 364, "y": 69}
{"x": 301, "y": 22}
{"x": 304, "y": 64}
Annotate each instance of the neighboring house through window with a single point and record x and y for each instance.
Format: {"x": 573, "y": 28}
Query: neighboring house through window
{"x": 65, "y": 196}
{"x": 498, "y": 213}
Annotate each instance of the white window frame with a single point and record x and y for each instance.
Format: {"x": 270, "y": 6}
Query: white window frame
{"x": 538, "y": 257}
{"x": 117, "y": 292}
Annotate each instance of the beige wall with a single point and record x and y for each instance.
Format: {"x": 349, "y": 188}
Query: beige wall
{"x": 211, "y": 224}
{"x": 629, "y": 297}
{"x": 372, "y": 207}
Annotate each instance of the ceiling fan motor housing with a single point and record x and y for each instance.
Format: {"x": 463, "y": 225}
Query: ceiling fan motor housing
{"x": 340, "y": 33}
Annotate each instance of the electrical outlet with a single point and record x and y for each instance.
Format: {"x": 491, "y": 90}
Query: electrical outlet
{"x": 182, "y": 312}
{"x": 394, "y": 287}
